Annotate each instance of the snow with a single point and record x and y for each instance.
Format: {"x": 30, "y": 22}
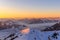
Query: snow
{"x": 34, "y": 34}
{"x": 50, "y": 33}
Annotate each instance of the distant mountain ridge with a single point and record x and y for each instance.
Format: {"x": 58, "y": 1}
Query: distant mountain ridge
{"x": 53, "y": 28}
{"x": 9, "y": 23}
{"x": 41, "y": 20}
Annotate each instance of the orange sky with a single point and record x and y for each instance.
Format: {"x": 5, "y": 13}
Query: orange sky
{"x": 27, "y": 9}
{"x": 24, "y": 14}
{"x": 14, "y": 13}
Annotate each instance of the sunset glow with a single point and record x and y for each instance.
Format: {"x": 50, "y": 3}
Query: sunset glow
{"x": 25, "y": 31}
{"x": 29, "y": 9}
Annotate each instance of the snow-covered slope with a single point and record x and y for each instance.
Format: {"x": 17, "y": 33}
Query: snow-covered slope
{"x": 33, "y": 34}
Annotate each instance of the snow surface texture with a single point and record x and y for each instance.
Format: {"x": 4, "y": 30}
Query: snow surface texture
{"x": 10, "y": 34}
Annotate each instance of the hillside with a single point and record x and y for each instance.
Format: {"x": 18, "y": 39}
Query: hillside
{"x": 53, "y": 28}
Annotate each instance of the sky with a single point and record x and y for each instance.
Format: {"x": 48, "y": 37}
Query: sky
{"x": 29, "y": 8}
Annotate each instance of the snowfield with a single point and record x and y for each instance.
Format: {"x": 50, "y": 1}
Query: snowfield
{"x": 33, "y": 34}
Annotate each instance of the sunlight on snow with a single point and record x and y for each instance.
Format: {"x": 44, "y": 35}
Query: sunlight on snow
{"x": 25, "y": 31}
